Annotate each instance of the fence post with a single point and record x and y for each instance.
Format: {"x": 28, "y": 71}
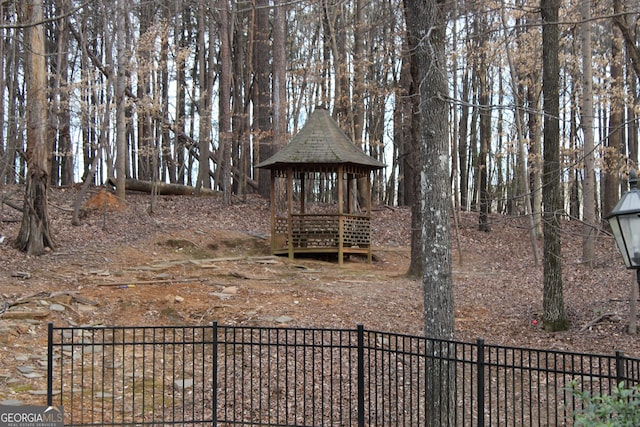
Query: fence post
{"x": 620, "y": 374}
{"x": 50, "y": 364}
{"x": 360, "y": 376}
{"x": 214, "y": 343}
{"x": 480, "y": 389}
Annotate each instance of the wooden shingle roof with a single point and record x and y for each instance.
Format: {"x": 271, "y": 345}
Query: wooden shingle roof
{"x": 320, "y": 142}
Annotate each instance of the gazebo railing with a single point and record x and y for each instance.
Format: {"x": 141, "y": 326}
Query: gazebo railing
{"x": 321, "y": 233}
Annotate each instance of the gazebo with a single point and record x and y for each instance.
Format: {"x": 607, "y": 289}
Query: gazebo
{"x": 315, "y": 206}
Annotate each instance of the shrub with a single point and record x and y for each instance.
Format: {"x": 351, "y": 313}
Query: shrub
{"x": 621, "y": 408}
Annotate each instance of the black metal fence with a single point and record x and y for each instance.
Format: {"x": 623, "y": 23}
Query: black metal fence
{"x": 232, "y": 376}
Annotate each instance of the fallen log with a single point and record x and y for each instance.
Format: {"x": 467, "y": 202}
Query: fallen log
{"x": 133, "y": 283}
{"x": 164, "y": 188}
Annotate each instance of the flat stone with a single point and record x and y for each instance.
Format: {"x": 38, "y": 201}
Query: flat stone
{"x": 184, "y": 383}
{"x": 92, "y": 349}
{"x": 101, "y": 395}
{"x": 220, "y": 295}
{"x": 11, "y": 402}
{"x": 32, "y": 375}
{"x": 230, "y": 290}
{"x": 84, "y": 308}
{"x": 57, "y": 307}
{"x": 26, "y": 369}
{"x": 283, "y": 319}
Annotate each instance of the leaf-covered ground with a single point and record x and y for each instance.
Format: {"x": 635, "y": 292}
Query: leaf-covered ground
{"x": 187, "y": 260}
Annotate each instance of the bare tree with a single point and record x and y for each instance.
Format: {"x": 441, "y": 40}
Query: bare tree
{"x": 613, "y": 154}
{"x": 553, "y": 302}
{"x": 484, "y": 88}
{"x": 205, "y": 78}
{"x": 120, "y": 86}
{"x": 224, "y": 158}
{"x": 588, "y": 184}
{"x": 262, "y": 125}
{"x": 34, "y": 236}
{"x": 426, "y": 25}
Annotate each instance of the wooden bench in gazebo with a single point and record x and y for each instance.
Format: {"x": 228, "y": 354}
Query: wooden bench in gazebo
{"x": 321, "y": 156}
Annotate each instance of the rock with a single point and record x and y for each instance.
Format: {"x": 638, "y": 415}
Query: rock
{"x": 230, "y": 290}
{"x": 32, "y": 375}
{"x": 56, "y": 307}
{"x": 220, "y": 295}
{"x": 11, "y": 402}
{"x": 103, "y": 395}
{"x": 283, "y": 319}
{"x": 183, "y": 383}
{"x": 84, "y": 308}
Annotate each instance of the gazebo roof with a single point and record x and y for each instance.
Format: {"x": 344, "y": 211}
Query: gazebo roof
{"x": 320, "y": 142}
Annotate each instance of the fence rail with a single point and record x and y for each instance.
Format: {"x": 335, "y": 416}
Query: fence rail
{"x": 241, "y": 376}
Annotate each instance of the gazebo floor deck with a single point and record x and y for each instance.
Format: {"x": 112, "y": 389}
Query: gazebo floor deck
{"x": 322, "y": 250}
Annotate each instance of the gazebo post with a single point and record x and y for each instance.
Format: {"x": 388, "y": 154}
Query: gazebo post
{"x": 340, "y": 214}
{"x": 350, "y": 193}
{"x": 302, "y": 192}
{"x": 368, "y": 207}
{"x": 290, "y": 210}
{"x": 272, "y": 201}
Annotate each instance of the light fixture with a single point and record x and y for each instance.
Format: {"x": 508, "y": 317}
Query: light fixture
{"x": 624, "y": 220}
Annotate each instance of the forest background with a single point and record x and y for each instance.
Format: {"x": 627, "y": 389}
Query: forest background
{"x": 198, "y": 92}
{"x": 212, "y": 88}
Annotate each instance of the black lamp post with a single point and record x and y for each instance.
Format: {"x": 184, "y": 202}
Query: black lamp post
{"x": 624, "y": 220}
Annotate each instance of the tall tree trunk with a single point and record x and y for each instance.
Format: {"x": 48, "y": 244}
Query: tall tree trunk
{"x": 205, "y": 99}
{"x": 522, "y": 168}
{"x": 181, "y": 92}
{"x": 485, "y": 129}
{"x": 121, "y": 125}
{"x": 615, "y": 141}
{"x": 34, "y": 236}
{"x": 167, "y": 163}
{"x": 64, "y": 148}
{"x": 7, "y": 154}
{"x": 413, "y": 162}
{"x": 404, "y": 142}
{"x": 241, "y": 123}
{"x": 588, "y": 183}
{"x": 224, "y": 150}
{"x": 463, "y": 145}
{"x": 262, "y": 92}
{"x": 144, "y": 72}
{"x": 553, "y": 302}
{"x": 279, "y": 74}
{"x": 426, "y": 25}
